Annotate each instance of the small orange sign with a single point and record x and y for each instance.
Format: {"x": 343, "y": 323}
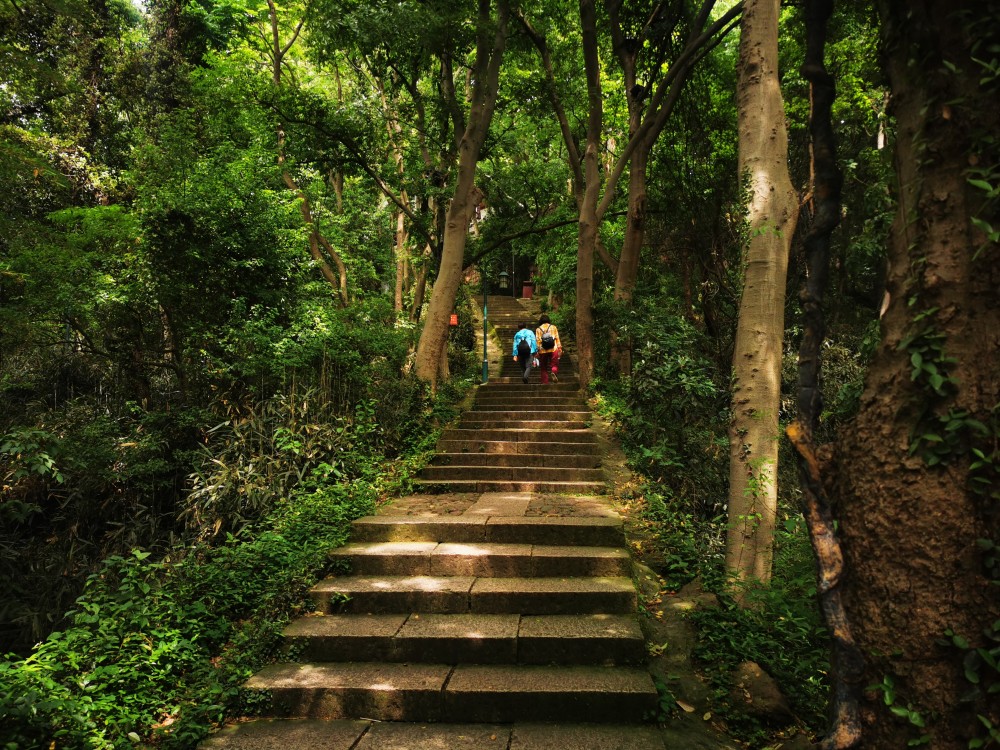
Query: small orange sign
{"x": 454, "y": 320}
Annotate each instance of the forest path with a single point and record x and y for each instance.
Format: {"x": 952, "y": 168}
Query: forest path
{"x": 497, "y": 610}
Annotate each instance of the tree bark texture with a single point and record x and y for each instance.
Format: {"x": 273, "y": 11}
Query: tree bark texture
{"x": 847, "y": 665}
{"x": 489, "y": 53}
{"x": 906, "y": 481}
{"x": 771, "y": 216}
{"x": 589, "y": 224}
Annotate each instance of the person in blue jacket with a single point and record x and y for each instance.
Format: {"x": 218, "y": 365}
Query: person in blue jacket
{"x": 525, "y": 349}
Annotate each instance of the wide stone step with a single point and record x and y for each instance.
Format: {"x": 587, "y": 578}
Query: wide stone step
{"x": 583, "y": 531}
{"x": 482, "y": 559}
{"x": 466, "y": 447}
{"x": 539, "y": 401}
{"x": 468, "y": 639}
{"x": 519, "y": 435}
{"x": 465, "y": 594}
{"x": 519, "y": 421}
{"x": 531, "y": 416}
{"x": 508, "y": 474}
{"x": 438, "y": 486}
{"x": 292, "y": 734}
{"x": 569, "y": 460}
{"x": 467, "y": 692}
{"x": 563, "y": 387}
{"x": 569, "y": 382}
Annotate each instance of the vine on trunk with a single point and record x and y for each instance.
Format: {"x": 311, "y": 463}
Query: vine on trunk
{"x": 847, "y": 663}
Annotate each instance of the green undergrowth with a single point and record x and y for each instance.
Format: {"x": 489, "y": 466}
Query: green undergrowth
{"x": 779, "y": 627}
{"x": 671, "y": 419}
{"x": 155, "y": 650}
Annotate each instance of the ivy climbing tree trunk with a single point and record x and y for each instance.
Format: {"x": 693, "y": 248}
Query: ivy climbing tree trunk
{"x": 771, "y": 216}
{"x": 485, "y": 87}
{"x": 916, "y": 479}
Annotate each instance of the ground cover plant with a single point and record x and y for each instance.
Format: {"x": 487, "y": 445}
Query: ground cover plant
{"x": 156, "y": 648}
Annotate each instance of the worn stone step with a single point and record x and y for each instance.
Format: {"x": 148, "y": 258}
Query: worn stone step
{"x": 562, "y": 387}
{"x": 526, "y": 419}
{"x": 467, "y": 692}
{"x": 466, "y": 447}
{"x": 569, "y": 382}
{"x": 541, "y": 401}
{"x": 344, "y": 734}
{"x": 534, "y": 474}
{"x": 438, "y": 486}
{"x": 531, "y": 416}
{"x": 584, "y": 531}
{"x": 468, "y": 638}
{"x": 571, "y": 460}
{"x": 519, "y": 435}
{"x": 481, "y": 559}
{"x": 549, "y": 693}
{"x": 461, "y": 594}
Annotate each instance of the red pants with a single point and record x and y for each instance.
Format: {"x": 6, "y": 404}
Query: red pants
{"x": 545, "y": 362}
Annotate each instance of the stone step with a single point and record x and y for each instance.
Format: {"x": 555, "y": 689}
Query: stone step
{"x": 467, "y": 692}
{"x": 583, "y": 531}
{"x": 564, "y": 386}
{"x": 531, "y": 416}
{"x": 468, "y": 639}
{"x": 571, "y": 382}
{"x": 519, "y": 435}
{"x": 570, "y": 460}
{"x": 464, "y": 594}
{"x": 466, "y": 447}
{"x": 438, "y": 486}
{"x": 518, "y": 421}
{"x": 343, "y": 734}
{"x": 481, "y": 559}
{"x": 539, "y": 401}
{"x": 456, "y": 472}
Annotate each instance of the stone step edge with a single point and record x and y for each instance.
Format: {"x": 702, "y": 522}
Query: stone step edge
{"x": 474, "y": 693}
{"x": 607, "y": 639}
{"x": 483, "y": 559}
{"x": 435, "y": 594}
{"x": 599, "y": 531}
{"x": 347, "y": 734}
{"x": 444, "y": 486}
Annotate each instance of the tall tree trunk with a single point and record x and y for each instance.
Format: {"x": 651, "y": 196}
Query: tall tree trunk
{"x": 400, "y": 254}
{"x": 420, "y": 285}
{"x": 846, "y": 661}
{"x": 589, "y": 224}
{"x": 485, "y": 87}
{"x": 628, "y": 263}
{"x": 913, "y": 497}
{"x": 771, "y": 217}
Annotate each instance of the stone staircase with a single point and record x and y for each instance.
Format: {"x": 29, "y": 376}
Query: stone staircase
{"x": 500, "y": 614}
{"x": 519, "y": 437}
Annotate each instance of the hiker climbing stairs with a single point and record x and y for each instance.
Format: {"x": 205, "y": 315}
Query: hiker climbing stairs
{"x": 495, "y": 610}
{"x": 519, "y": 437}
